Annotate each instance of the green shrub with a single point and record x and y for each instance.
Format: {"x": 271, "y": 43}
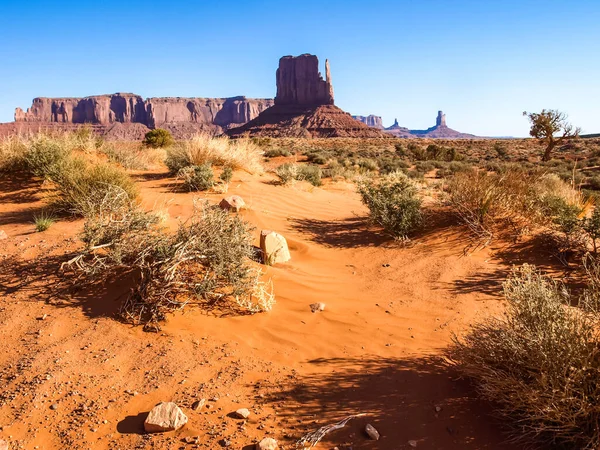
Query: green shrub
{"x": 43, "y": 221}
{"x": 393, "y": 203}
{"x": 289, "y": 172}
{"x": 539, "y": 363}
{"x": 46, "y": 157}
{"x": 158, "y": 138}
{"x": 226, "y": 174}
{"x": 197, "y": 178}
{"x": 277, "y": 152}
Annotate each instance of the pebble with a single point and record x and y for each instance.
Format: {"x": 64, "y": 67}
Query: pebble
{"x": 314, "y": 307}
{"x": 54, "y": 406}
{"x": 242, "y": 413}
{"x": 372, "y": 432}
{"x": 412, "y": 443}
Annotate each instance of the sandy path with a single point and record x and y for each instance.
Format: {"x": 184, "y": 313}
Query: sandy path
{"x": 390, "y": 310}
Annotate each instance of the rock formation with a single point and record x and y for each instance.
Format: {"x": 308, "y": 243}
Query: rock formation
{"x": 182, "y": 116}
{"x": 304, "y": 106}
{"x": 441, "y": 130}
{"x": 370, "y": 120}
{"x": 398, "y": 131}
{"x": 299, "y": 82}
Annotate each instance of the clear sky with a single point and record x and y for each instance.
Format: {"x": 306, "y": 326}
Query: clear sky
{"x": 483, "y": 62}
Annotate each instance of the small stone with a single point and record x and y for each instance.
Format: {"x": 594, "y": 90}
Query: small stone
{"x": 224, "y": 442}
{"x": 163, "y": 417}
{"x": 372, "y": 432}
{"x": 198, "y": 404}
{"x": 242, "y": 413}
{"x": 54, "y": 406}
{"x": 3, "y": 444}
{"x": 438, "y": 409}
{"x": 42, "y": 317}
{"x": 412, "y": 443}
{"x": 314, "y": 307}
{"x": 232, "y": 203}
{"x": 3, "y": 235}
{"x": 267, "y": 444}
{"x": 274, "y": 248}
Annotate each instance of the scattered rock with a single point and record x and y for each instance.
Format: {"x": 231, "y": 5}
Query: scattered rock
{"x": 438, "y": 409}
{"x": 274, "y": 248}
{"x": 413, "y": 444}
{"x": 314, "y": 307}
{"x": 242, "y": 413}
{"x": 267, "y": 444}
{"x": 225, "y": 443}
{"x": 232, "y": 203}
{"x": 165, "y": 416}
{"x": 372, "y": 432}
{"x": 3, "y": 443}
{"x": 54, "y": 406}
{"x": 198, "y": 404}
{"x": 3, "y": 235}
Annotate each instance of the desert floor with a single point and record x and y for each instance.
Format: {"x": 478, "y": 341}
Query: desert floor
{"x": 73, "y": 376}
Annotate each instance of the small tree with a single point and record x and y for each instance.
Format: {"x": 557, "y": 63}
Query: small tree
{"x": 551, "y": 128}
{"x": 158, "y": 138}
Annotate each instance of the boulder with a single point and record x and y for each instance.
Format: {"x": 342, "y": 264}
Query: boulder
{"x": 242, "y": 413}
{"x": 166, "y": 416}
{"x": 4, "y": 445}
{"x": 232, "y": 203}
{"x": 267, "y": 444}
{"x": 274, "y": 248}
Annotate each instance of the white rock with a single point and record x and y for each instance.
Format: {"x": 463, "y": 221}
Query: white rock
{"x": 165, "y": 416}
{"x": 314, "y": 307}
{"x": 372, "y": 432}
{"x": 267, "y": 444}
{"x": 274, "y": 248}
{"x": 413, "y": 444}
{"x": 4, "y": 445}
{"x": 232, "y": 203}
{"x": 242, "y": 413}
{"x": 3, "y": 235}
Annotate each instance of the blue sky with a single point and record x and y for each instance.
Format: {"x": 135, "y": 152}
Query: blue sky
{"x": 482, "y": 62}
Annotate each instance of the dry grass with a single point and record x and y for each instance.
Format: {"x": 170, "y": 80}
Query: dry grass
{"x": 204, "y": 149}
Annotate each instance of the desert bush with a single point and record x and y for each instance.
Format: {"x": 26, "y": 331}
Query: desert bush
{"x": 226, "y": 175}
{"x": 393, "y": 203}
{"x": 43, "y": 221}
{"x": 277, "y": 152}
{"x": 80, "y": 188}
{"x": 289, "y": 172}
{"x": 539, "y": 362}
{"x": 197, "y": 178}
{"x": 207, "y": 262}
{"x": 12, "y": 152}
{"x": 47, "y": 157}
{"x": 219, "y": 151}
{"x": 158, "y": 138}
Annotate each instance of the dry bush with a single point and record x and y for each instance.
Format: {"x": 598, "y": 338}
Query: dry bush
{"x": 12, "y": 151}
{"x": 289, "y": 172}
{"x": 219, "y": 151}
{"x": 134, "y": 158}
{"x": 540, "y": 362}
{"x": 207, "y": 261}
{"x": 197, "y": 178}
{"x": 393, "y": 203}
{"x": 511, "y": 200}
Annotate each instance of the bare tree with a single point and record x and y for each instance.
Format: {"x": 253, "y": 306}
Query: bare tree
{"x": 551, "y": 128}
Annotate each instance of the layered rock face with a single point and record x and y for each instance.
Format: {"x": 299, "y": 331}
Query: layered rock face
{"x": 299, "y": 82}
{"x": 98, "y": 109}
{"x": 182, "y": 116}
{"x": 440, "y": 121}
{"x": 304, "y": 106}
{"x": 370, "y": 120}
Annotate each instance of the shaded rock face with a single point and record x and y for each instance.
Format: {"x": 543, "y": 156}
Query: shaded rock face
{"x": 299, "y": 82}
{"x": 187, "y": 114}
{"x": 440, "y": 121}
{"x": 370, "y": 120}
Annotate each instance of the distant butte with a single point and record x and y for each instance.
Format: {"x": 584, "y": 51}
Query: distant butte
{"x": 304, "y": 106}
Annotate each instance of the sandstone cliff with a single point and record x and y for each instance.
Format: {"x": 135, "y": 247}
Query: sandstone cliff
{"x": 183, "y": 116}
{"x": 370, "y": 120}
{"x": 299, "y": 82}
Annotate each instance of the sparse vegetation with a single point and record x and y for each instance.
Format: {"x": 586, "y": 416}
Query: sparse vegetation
{"x": 43, "y": 221}
{"x": 539, "y": 363}
{"x": 207, "y": 261}
{"x": 219, "y": 151}
{"x": 393, "y": 203}
{"x": 289, "y": 172}
{"x": 158, "y": 138}
{"x": 197, "y": 178}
